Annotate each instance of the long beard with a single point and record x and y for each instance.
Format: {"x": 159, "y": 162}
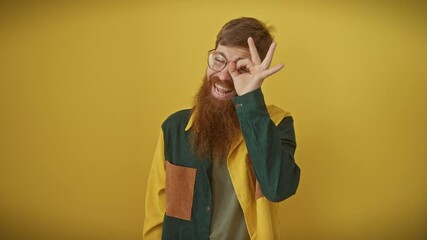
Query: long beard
{"x": 215, "y": 126}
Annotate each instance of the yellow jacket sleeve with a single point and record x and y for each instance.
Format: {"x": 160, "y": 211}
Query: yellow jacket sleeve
{"x": 155, "y": 198}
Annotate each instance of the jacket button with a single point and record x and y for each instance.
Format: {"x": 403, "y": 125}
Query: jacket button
{"x": 208, "y": 209}
{"x": 238, "y": 105}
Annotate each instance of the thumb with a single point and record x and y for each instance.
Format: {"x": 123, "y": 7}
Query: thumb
{"x": 232, "y": 69}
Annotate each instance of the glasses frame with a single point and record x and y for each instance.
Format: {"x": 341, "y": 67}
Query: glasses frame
{"x": 211, "y": 52}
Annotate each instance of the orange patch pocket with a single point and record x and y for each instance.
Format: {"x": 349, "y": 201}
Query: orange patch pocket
{"x": 179, "y": 190}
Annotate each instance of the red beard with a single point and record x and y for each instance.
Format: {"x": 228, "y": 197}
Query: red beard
{"x": 215, "y": 125}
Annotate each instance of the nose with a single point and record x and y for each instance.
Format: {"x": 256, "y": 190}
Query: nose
{"x": 224, "y": 75}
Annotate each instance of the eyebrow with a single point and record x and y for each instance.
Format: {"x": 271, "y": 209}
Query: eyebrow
{"x": 236, "y": 60}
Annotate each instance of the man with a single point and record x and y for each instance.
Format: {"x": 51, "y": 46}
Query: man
{"x": 221, "y": 168}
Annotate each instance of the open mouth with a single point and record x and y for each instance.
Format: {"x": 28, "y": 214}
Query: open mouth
{"x": 222, "y": 92}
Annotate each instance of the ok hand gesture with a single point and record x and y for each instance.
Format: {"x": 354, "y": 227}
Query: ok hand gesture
{"x": 257, "y": 71}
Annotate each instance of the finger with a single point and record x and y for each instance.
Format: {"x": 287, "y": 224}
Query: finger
{"x": 244, "y": 65}
{"x": 232, "y": 69}
{"x": 272, "y": 71}
{"x": 254, "y": 52}
{"x": 269, "y": 57}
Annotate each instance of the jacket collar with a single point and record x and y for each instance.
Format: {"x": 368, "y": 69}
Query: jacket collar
{"x": 235, "y": 144}
{"x": 190, "y": 123}
{"x": 276, "y": 115}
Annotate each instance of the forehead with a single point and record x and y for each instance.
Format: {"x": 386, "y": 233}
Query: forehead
{"x": 233, "y": 53}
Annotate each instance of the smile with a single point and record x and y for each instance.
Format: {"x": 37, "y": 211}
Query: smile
{"x": 222, "y": 92}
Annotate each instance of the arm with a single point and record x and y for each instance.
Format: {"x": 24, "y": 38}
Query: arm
{"x": 271, "y": 148}
{"x": 155, "y": 199}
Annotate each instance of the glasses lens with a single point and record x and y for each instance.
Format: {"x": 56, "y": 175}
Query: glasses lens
{"x": 216, "y": 61}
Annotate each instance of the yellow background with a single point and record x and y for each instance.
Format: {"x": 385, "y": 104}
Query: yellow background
{"x": 84, "y": 87}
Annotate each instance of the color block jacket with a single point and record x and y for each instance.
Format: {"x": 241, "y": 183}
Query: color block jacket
{"x": 261, "y": 166}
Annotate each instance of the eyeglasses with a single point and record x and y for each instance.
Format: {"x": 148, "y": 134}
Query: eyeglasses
{"x": 216, "y": 61}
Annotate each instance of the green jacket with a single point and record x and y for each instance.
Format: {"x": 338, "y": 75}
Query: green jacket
{"x": 261, "y": 166}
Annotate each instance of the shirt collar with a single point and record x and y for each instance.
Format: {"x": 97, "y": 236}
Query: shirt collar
{"x": 190, "y": 123}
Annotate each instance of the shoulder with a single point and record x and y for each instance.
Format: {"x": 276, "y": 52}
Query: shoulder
{"x": 178, "y": 118}
{"x": 277, "y": 114}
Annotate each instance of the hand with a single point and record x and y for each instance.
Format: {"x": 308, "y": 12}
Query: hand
{"x": 257, "y": 71}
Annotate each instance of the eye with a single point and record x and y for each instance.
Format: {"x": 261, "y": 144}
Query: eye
{"x": 219, "y": 59}
{"x": 243, "y": 69}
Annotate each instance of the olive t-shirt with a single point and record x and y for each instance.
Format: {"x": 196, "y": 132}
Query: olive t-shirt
{"x": 228, "y": 222}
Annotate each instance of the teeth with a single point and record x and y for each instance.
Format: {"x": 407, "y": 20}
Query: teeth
{"x": 222, "y": 88}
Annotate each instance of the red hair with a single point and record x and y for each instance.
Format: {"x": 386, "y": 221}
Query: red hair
{"x": 236, "y": 32}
